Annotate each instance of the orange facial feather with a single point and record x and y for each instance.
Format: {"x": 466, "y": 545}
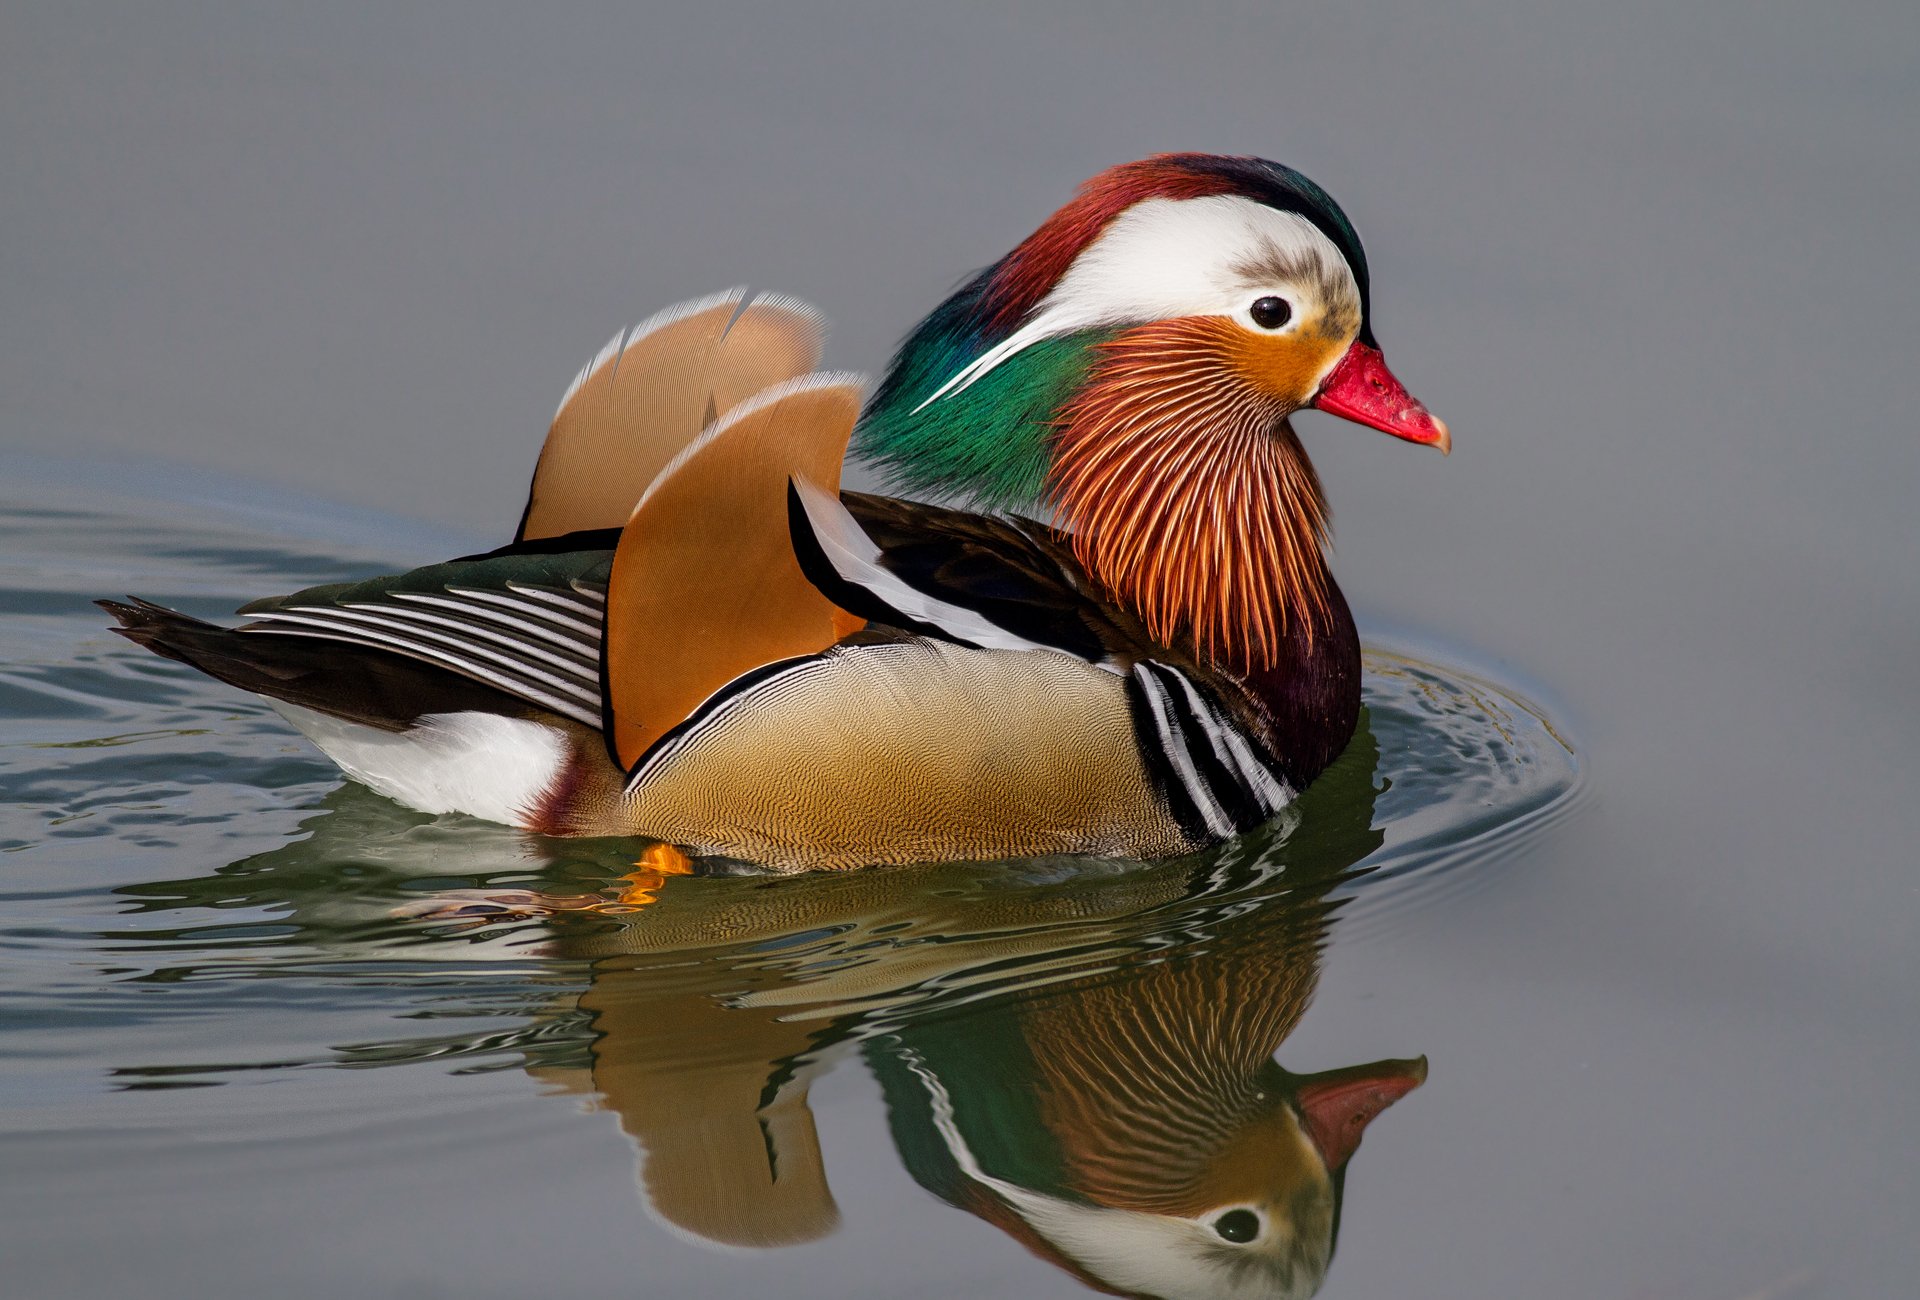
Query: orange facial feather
{"x": 1187, "y": 492}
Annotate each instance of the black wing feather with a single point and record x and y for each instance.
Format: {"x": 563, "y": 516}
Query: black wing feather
{"x": 374, "y": 687}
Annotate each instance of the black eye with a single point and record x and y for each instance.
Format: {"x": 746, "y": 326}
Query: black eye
{"x": 1272, "y": 313}
{"x": 1240, "y": 1225}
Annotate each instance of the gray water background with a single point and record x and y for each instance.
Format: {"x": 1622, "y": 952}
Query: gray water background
{"x": 1655, "y": 264}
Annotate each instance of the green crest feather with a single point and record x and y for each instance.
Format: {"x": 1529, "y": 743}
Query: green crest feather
{"x": 989, "y": 441}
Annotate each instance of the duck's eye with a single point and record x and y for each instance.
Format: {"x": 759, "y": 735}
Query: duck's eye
{"x": 1271, "y": 313}
{"x": 1241, "y": 1226}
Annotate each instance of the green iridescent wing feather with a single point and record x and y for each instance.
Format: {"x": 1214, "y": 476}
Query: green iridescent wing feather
{"x": 496, "y": 572}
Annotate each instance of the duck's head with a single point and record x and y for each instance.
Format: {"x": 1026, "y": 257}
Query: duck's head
{"x": 1247, "y": 1204}
{"x": 1133, "y": 363}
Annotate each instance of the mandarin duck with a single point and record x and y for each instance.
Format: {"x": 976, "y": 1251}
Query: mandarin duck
{"x": 697, "y": 637}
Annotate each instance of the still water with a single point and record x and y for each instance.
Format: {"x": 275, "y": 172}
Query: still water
{"x": 254, "y": 1014}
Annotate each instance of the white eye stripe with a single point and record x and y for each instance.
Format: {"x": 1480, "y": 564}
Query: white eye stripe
{"x": 1163, "y": 259}
{"x": 1192, "y": 257}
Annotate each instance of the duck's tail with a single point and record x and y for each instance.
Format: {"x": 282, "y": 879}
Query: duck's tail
{"x": 387, "y": 691}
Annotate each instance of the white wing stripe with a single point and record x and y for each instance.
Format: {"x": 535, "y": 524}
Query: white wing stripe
{"x": 575, "y": 657}
{"x": 539, "y": 645}
{"x": 1231, "y": 749}
{"x": 1273, "y": 792}
{"x": 580, "y": 647}
{"x": 407, "y": 636}
{"x": 561, "y": 602}
{"x": 589, "y": 629}
{"x": 324, "y": 631}
{"x": 855, "y": 558}
{"x": 1173, "y": 744}
{"x": 407, "y": 621}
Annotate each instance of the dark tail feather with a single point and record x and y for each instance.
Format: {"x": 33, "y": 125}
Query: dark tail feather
{"x": 206, "y": 646}
{"x": 372, "y": 687}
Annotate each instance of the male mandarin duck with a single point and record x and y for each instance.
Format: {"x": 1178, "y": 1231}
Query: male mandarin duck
{"x": 697, "y": 637}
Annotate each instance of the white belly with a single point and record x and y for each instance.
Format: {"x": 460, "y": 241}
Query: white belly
{"x": 475, "y": 763}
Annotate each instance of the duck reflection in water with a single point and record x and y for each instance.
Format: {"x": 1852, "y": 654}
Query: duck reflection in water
{"x": 1081, "y": 1054}
{"x": 1084, "y": 1060}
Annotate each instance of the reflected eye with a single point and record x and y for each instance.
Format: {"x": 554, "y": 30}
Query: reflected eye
{"x": 1271, "y": 313}
{"x": 1240, "y": 1226}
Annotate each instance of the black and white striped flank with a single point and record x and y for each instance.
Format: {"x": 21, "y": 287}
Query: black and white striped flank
{"x": 1217, "y": 780}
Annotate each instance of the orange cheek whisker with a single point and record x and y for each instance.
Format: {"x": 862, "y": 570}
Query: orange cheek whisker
{"x": 1189, "y": 496}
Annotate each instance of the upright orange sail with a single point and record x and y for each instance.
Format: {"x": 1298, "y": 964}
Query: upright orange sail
{"x": 705, "y": 585}
{"x": 650, "y": 392}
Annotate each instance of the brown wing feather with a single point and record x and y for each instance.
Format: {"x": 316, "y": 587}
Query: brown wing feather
{"x": 647, "y": 395}
{"x": 705, "y": 585}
